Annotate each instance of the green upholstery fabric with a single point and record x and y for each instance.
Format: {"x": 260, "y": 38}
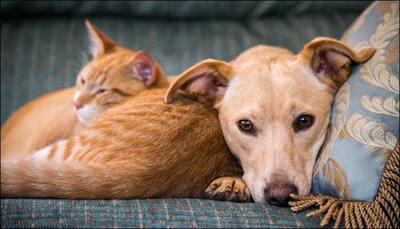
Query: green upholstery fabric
{"x": 41, "y": 55}
{"x": 147, "y": 213}
{"x": 44, "y": 44}
{"x": 176, "y": 9}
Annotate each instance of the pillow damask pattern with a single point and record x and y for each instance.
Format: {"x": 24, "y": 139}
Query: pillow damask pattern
{"x": 365, "y": 117}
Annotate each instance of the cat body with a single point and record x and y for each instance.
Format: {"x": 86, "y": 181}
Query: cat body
{"x": 142, "y": 148}
{"x": 39, "y": 123}
{"x": 114, "y": 74}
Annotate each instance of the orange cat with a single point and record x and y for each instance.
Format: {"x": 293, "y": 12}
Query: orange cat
{"x": 142, "y": 148}
{"x": 114, "y": 74}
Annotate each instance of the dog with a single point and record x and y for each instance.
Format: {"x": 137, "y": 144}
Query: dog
{"x": 274, "y": 108}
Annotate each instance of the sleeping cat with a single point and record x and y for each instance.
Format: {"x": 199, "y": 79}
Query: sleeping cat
{"x": 142, "y": 148}
{"x": 114, "y": 74}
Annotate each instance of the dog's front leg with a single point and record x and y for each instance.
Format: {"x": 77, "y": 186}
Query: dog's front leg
{"x": 228, "y": 189}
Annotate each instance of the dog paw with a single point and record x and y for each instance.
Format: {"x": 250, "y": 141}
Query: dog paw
{"x": 228, "y": 189}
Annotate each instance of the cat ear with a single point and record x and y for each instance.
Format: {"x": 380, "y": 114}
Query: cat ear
{"x": 100, "y": 43}
{"x": 145, "y": 68}
{"x": 331, "y": 60}
{"x": 205, "y": 81}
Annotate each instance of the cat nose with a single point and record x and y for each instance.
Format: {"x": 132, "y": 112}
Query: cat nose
{"x": 78, "y": 105}
{"x": 279, "y": 193}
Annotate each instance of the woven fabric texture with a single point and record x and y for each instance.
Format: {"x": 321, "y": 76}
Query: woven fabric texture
{"x": 146, "y": 213}
{"x": 175, "y": 9}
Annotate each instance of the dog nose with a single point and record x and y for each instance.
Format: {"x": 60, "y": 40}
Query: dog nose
{"x": 279, "y": 193}
{"x": 78, "y": 105}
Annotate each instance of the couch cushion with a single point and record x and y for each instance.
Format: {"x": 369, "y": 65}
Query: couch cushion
{"x": 40, "y": 55}
{"x": 147, "y": 213}
{"x": 365, "y": 119}
{"x": 177, "y": 9}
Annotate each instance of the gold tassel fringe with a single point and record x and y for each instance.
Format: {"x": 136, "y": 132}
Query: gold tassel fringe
{"x": 382, "y": 212}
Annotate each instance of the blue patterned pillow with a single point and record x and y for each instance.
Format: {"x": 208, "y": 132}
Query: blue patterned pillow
{"x": 365, "y": 116}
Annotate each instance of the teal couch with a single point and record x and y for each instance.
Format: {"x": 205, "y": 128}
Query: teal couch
{"x": 44, "y": 43}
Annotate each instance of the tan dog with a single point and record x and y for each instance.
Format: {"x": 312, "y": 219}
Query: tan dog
{"x": 274, "y": 109}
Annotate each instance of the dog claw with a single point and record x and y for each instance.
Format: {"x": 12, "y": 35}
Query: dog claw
{"x": 228, "y": 189}
{"x": 214, "y": 186}
{"x": 236, "y": 199}
{"x": 219, "y": 196}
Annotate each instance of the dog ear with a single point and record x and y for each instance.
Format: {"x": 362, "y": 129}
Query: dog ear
{"x": 205, "y": 81}
{"x": 145, "y": 68}
{"x": 100, "y": 43}
{"x": 331, "y": 60}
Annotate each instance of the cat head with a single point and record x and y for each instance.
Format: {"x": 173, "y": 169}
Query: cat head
{"x": 114, "y": 74}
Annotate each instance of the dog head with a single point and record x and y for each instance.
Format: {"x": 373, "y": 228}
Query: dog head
{"x": 274, "y": 108}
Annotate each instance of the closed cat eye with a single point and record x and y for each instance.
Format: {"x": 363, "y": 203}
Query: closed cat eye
{"x": 101, "y": 91}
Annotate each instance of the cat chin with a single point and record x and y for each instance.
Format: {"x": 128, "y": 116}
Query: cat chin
{"x": 83, "y": 120}
{"x": 86, "y": 115}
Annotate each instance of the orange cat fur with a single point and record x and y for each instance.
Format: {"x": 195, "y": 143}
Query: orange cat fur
{"x": 114, "y": 74}
{"x": 142, "y": 148}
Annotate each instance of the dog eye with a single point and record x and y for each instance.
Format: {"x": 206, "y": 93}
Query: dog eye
{"x": 303, "y": 122}
{"x": 246, "y": 126}
{"x": 82, "y": 81}
{"x": 101, "y": 91}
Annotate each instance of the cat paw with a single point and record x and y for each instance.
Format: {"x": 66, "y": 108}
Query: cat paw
{"x": 228, "y": 189}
